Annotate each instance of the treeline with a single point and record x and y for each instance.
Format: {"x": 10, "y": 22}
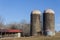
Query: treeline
{"x": 24, "y": 26}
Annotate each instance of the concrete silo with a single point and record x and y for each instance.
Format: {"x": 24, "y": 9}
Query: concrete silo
{"x": 49, "y": 22}
{"x": 35, "y": 23}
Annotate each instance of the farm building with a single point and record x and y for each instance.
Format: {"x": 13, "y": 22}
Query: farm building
{"x": 10, "y": 33}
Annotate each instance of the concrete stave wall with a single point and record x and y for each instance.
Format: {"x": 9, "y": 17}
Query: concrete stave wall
{"x": 48, "y": 22}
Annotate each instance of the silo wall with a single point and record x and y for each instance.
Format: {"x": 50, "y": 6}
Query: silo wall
{"x": 48, "y": 23}
{"x": 35, "y": 24}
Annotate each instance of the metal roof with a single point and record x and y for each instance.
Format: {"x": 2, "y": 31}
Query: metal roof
{"x": 10, "y": 30}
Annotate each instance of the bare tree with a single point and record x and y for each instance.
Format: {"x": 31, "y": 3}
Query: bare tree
{"x": 1, "y": 22}
{"x": 25, "y": 28}
{"x": 14, "y": 25}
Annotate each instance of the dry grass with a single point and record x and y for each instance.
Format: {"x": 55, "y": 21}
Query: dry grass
{"x": 33, "y": 38}
{"x": 57, "y": 37}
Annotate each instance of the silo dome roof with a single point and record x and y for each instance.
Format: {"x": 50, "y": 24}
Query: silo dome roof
{"x": 36, "y": 12}
{"x": 49, "y": 11}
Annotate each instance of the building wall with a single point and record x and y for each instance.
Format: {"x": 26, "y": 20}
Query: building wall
{"x": 10, "y": 34}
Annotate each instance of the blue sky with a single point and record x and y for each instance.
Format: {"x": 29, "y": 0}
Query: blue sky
{"x": 17, "y": 10}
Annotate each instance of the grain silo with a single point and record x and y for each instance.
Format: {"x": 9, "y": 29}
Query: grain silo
{"x": 49, "y": 22}
{"x": 35, "y": 23}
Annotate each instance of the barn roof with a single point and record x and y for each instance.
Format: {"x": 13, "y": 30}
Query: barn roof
{"x": 10, "y": 30}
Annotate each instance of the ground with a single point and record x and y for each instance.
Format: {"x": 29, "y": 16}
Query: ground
{"x": 56, "y": 37}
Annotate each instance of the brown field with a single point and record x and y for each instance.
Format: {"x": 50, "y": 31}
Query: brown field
{"x": 56, "y": 37}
